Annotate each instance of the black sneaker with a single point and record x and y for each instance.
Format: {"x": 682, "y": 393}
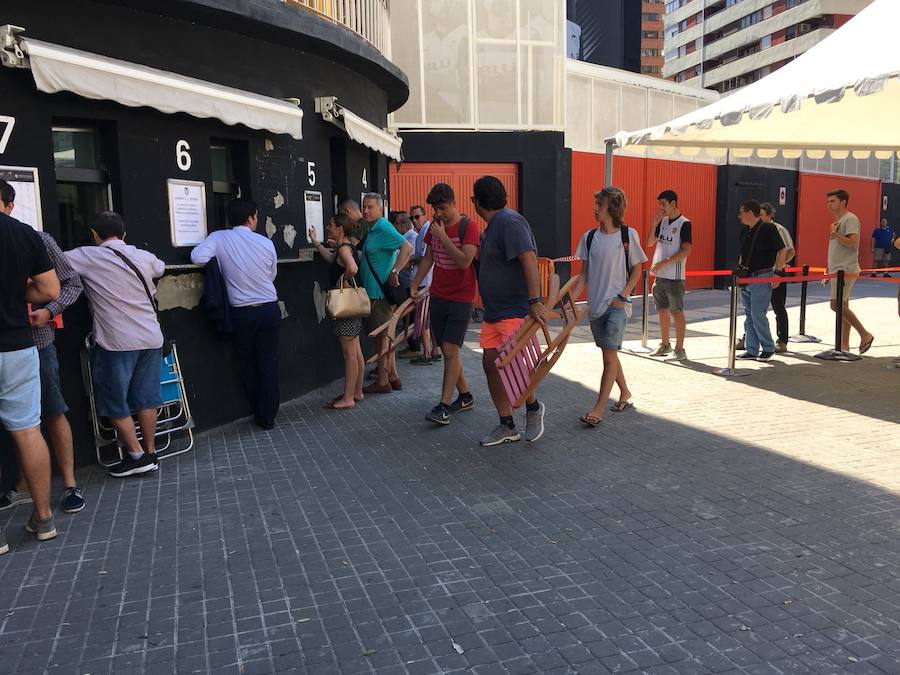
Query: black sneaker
{"x": 746, "y": 355}
{"x": 440, "y": 414}
{"x": 72, "y": 501}
{"x": 764, "y": 356}
{"x": 134, "y": 467}
{"x": 463, "y": 402}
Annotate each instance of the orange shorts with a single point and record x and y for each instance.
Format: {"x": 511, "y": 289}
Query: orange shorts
{"x": 493, "y": 334}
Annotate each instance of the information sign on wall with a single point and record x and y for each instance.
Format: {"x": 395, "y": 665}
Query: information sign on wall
{"x": 24, "y": 180}
{"x": 187, "y": 211}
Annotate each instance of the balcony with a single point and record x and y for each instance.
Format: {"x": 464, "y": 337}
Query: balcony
{"x": 369, "y": 19}
{"x": 765, "y": 57}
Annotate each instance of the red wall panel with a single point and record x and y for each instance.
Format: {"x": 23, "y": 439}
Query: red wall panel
{"x": 410, "y": 183}
{"x": 814, "y": 219}
{"x": 642, "y": 180}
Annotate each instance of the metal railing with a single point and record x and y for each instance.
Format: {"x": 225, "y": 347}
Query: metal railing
{"x": 370, "y": 19}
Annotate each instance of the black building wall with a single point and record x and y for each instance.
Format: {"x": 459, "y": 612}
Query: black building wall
{"x": 226, "y": 42}
{"x": 610, "y": 32}
{"x": 544, "y": 173}
{"x": 739, "y": 183}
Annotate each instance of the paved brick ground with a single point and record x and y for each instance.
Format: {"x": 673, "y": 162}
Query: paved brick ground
{"x": 745, "y": 525}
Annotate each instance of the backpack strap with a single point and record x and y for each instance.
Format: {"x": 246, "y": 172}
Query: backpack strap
{"x": 590, "y": 239}
{"x": 626, "y": 241}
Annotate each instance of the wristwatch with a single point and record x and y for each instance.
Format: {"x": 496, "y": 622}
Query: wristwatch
{"x": 534, "y": 301}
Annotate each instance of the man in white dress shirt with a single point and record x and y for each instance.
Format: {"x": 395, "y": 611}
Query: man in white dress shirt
{"x": 249, "y": 264}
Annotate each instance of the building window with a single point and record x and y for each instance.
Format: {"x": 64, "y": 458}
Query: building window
{"x": 650, "y": 34}
{"x": 230, "y": 173}
{"x": 766, "y": 42}
{"x": 650, "y": 52}
{"x": 82, "y": 182}
{"x": 651, "y": 17}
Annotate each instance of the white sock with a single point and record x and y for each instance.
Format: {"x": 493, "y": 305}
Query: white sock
{"x": 136, "y": 455}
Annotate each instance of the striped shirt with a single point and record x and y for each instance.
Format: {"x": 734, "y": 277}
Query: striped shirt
{"x": 69, "y": 291}
{"x": 451, "y": 282}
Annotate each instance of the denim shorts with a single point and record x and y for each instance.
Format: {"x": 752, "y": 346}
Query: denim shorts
{"x": 20, "y": 389}
{"x": 125, "y": 382}
{"x": 609, "y": 329}
{"x": 52, "y": 402}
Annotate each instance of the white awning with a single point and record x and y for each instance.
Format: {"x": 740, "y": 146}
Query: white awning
{"x": 841, "y": 96}
{"x": 56, "y": 68}
{"x": 358, "y": 129}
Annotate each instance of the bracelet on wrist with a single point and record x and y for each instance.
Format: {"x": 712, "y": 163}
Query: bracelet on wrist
{"x": 535, "y": 301}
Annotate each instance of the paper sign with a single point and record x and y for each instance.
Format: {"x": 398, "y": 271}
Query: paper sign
{"x": 884, "y": 203}
{"x": 24, "y": 180}
{"x": 782, "y": 196}
{"x": 187, "y": 211}
{"x": 314, "y": 214}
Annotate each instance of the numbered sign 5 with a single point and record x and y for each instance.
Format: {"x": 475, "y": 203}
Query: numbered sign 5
{"x": 311, "y": 173}
{"x": 182, "y": 156}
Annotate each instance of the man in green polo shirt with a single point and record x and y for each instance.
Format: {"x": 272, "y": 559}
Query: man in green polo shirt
{"x": 383, "y": 253}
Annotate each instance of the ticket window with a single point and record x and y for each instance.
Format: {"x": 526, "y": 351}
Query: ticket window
{"x": 82, "y": 183}
{"x": 230, "y": 178}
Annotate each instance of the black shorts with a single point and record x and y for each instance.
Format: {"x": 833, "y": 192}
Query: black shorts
{"x": 450, "y": 321}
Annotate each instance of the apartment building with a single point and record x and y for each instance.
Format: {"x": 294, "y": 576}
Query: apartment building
{"x": 728, "y": 44}
{"x": 652, "y": 37}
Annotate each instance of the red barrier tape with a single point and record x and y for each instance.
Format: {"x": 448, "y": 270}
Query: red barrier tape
{"x": 890, "y": 280}
{"x": 787, "y": 280}
{"x": 879, "y": 271}
{"x": 710, "y": 273}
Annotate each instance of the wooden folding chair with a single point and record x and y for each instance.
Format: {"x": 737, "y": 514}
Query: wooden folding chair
{"x": 523, "y": 362}
{"x": 407, "y": 317}
{"x": 549, "y": 282}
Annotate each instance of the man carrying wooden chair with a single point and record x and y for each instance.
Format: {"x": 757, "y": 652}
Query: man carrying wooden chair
{"x": 509, "y": 281}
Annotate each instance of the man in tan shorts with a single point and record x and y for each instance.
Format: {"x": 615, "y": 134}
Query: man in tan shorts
{"x": 843, "y": 255}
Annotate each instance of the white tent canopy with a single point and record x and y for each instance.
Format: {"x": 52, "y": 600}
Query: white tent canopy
{"x": 842, "y": 96}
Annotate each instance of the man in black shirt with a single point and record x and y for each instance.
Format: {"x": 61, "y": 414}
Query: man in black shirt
{"x": 26, "y": 275}
{"x": 762, "y": 251}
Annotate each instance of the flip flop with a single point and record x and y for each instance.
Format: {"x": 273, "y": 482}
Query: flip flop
{"x": 864, "y": 347}
{"x": 621, "y": 406}
{"x": 591, "y": 421}
{"x": 331, "y": 406}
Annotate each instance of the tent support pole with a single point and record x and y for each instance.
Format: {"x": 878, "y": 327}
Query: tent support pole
{"x": 608, "y": 161}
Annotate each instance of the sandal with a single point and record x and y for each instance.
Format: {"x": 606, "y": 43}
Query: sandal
{"x": 864, "y": 347}
{"x": 331, "y": 406}
{"x": 591, "y": 420}
{"x": 621, "y": 406}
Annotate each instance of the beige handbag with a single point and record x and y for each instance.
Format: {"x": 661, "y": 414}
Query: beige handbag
{"x": 347, "y": 302}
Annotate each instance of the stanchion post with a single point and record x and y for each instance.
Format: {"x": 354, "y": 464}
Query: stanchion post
{"x": 803, "y": 301}
{"x": 803, "y": 337}
{"x": 729, "y": 370}
{"x": 837, "y": 354}
{"x": 839, "y": 311}
{"x": 645, "y": 310}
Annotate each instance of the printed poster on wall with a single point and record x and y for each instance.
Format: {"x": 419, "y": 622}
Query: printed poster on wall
{"x": 24, "y": 180}
{"x": 187, "y": 211}
{"x": 315, "y": 217}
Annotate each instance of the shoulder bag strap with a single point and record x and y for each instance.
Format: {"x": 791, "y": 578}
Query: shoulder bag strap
{"x": 140, "y": 276}
{"x": 626, "y": 244}
{"x": 753, "y": 237}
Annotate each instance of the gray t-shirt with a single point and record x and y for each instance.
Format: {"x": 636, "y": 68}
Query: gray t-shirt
{"x": 604, "y": 268}
{"x": 841, "y": 257}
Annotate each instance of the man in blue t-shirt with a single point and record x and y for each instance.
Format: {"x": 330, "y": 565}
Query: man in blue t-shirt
{"x": 383, "y": 253}
{"x": 882, "y": 244}
{"x": 510, "y": 283}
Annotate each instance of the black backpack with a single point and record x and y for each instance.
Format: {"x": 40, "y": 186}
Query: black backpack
{"x": 625, "y": 245}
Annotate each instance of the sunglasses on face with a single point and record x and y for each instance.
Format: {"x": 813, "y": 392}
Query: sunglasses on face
{"x": 416, "y": 217}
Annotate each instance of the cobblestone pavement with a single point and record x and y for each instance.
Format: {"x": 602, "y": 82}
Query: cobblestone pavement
{"x": 746, "y": 525}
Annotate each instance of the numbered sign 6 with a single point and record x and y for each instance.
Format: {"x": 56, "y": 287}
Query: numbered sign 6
{"x": 182, "y": 156}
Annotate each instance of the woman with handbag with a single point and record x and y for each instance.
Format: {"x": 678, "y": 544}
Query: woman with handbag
{"x": 347, "y": 304}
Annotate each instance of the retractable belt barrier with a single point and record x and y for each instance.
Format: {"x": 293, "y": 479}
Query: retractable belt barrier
{"x": 807, "y": 274}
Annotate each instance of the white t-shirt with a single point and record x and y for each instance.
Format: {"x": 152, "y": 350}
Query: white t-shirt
{"x": 786, "y": 238}
{"x": 604, "y": 266}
